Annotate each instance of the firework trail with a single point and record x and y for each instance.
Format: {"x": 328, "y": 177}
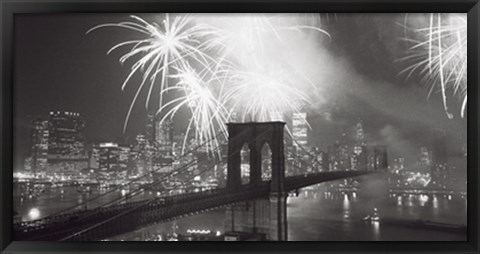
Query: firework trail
{"x": 261, "y": 85}
{"x": 208, "y": 114}
{"x": 264, "y": 95}
{"x": 248, "y": 38}
{"x": 173, "y": 44}
{"x": 440, "y": 56}
{"x": 217, "y": 69}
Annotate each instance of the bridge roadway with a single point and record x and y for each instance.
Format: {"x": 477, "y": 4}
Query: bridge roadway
{"x": 104, "y": 222}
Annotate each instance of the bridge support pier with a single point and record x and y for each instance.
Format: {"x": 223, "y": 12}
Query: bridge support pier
{"x": 265, "y": 216}
{"x": 278, "y": 217}
{"x": 260, "y": 216}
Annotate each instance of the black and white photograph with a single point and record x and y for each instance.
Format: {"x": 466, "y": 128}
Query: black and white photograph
{"x": 240, "y": 127}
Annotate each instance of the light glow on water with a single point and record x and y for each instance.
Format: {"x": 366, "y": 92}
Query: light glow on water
{"x": 423, "y": 199}
{"x": 376, "y": 230}
{"x": 346, "y": 202}
{"x": 435, "y": 202}
{"x": 34, "y": 213}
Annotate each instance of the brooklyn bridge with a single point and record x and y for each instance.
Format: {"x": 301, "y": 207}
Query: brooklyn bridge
{"x": 258, "y": 206}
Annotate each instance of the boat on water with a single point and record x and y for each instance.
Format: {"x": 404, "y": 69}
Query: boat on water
{"x": 373, "y": 217}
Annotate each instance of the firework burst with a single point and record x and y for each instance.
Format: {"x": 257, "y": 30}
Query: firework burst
{"x": 209, "y": 114}
{"x": 440, "y": 56}
{"x": 216, "y": 68}
{"x": 173, "y": 44}
{"x": 247, "y": 38}
{"x": 264, "y": 95}
{"x": 260, "y": 83}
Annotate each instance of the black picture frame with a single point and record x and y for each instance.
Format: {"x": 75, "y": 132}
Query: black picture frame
{"x": 8, "y": 8}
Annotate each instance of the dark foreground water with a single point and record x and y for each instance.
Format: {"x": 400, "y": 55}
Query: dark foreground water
{"x": 312, "y": 216}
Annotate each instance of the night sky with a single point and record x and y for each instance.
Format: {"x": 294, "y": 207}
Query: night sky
{"x": 59, "y": 67}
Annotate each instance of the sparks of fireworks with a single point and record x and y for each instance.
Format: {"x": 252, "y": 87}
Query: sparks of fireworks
{"x": 197, "y": 55}
{"x": 256, "y": 43}
{"x": 209, "y": 114}
{"x": 173, "y": 44}
{"x": 441, "y": 55}
{"x": 246, "y": 37}
{"x": 264, "y": 95}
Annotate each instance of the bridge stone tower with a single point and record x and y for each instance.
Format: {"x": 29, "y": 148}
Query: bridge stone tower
{"x": 264, "y": 216}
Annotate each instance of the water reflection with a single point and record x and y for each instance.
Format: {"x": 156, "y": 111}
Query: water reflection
{"x": 423, "y": 199}
{"x": 376, "y": 230}
{"x": 314, "y": 215}
{"x": 435, "y": 202}
{"x": 346, "y": 202}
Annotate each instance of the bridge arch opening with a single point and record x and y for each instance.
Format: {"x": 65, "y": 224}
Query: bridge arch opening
{"x": 245, "y": 164}
{"x": 266, "y": 162}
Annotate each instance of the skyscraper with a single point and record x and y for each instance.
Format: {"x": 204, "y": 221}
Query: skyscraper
{"x": 113, "y": 161}
{"x": 359, "y": 135}
{"x": 439, "y": 170}
{"x": 142, "y": 154}
{"x": 339, "y": 156}
{"x": 150, "y": 127}
{"x": 164, "y": 137}
{"x": 359, "y": 159}
{"x": 66, "y": 155}
{"x": 380, "y": 158}
{"x": 66, "y": 138}
{"x": 300, "y": 129}
{"x": 425, "y": 163}
{"x": 39, "y": 145}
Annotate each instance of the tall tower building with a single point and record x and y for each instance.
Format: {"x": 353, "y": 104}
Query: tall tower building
{"x": 39, "y": 145}
{"x": 300, "y": 129}
{"x": 439, "y": 170}
{"x": 66, "y": 138}
{"x": 380, "y": 158}
{"x": 164, "y": 137}
{"x": 425, "y": 164}
{"x": 113, "y": 161}
{"x": 150, "y": 127}
{"x": 359, "y": 158}
{"x": 359, "y": 135}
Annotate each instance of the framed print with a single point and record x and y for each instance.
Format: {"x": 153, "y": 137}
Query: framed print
{"x": 301, "y": 126}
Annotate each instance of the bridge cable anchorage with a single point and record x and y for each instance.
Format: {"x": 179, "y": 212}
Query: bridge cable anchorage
{"x": 131, "y": 181}
{"x": 142, "y": 204}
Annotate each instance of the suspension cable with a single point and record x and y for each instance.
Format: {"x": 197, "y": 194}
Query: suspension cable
{"x": 128, "y": 183}
{"x": 143, "y": 203}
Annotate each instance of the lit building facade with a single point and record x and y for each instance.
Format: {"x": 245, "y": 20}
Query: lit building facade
{"x": 440, "y": 170}
{"x": 66, "y": 138}
{"x": 113, "y": 161}
{"x": 164, "y": 138}
{"x": 39, "y": 145}
{"x": 150, "y": 127}
{"x": 300, "y": 129}
{"x": 380, "y": 159}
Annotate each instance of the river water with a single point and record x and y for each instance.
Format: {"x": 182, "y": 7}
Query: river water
{"x": 312, "y": 216}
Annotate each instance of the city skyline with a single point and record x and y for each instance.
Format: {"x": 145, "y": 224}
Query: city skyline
{"x": 393, "y": 117}
{"x": 60, "y": 138}
{"x": 247, "y": 122}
